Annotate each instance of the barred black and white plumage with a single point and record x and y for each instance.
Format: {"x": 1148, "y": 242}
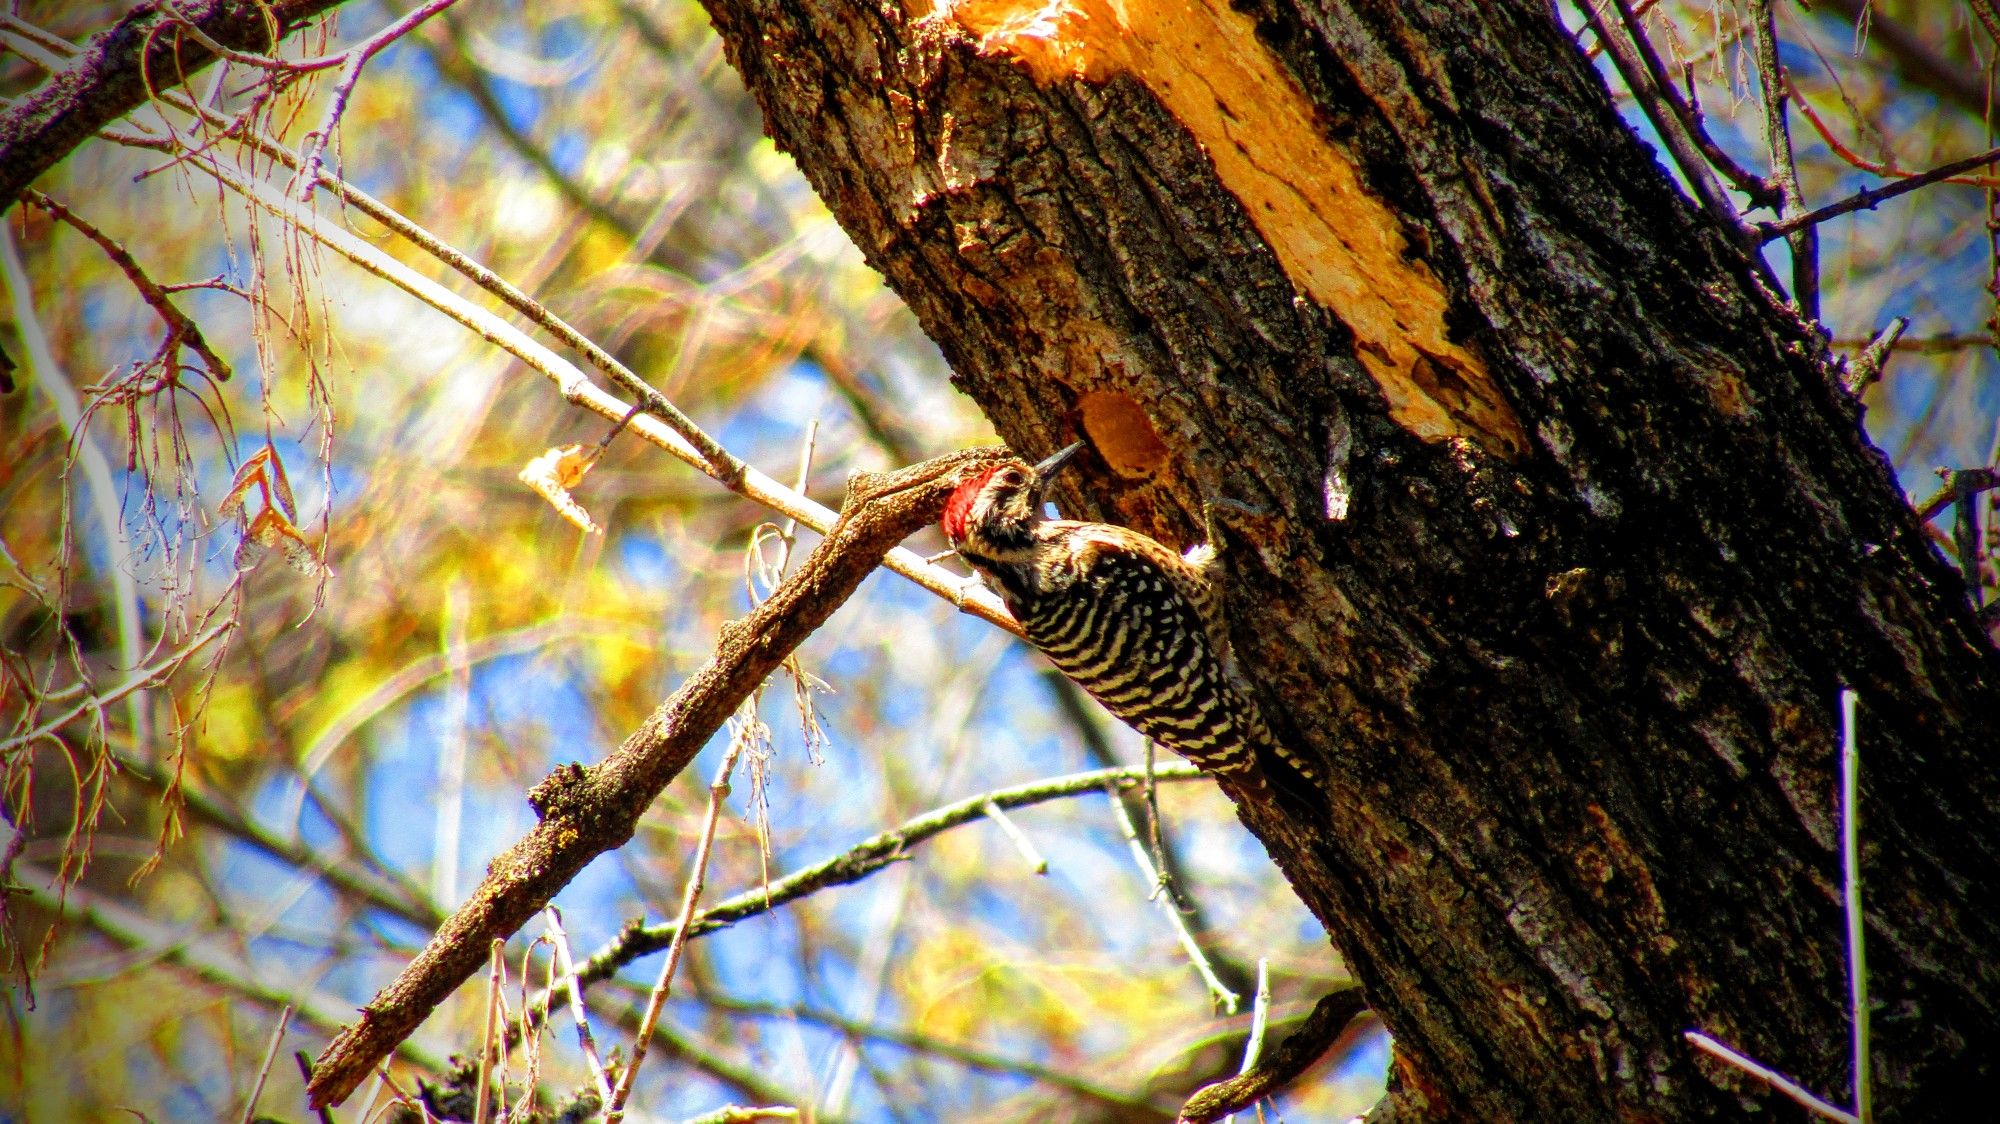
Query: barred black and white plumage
{"x": 1132, "y": 622}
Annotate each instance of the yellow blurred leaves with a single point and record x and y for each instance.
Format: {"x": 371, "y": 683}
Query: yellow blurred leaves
{"x": 231, "y": 725}
{"x": 960, "y": 987}
{"x": 618, "y": 661}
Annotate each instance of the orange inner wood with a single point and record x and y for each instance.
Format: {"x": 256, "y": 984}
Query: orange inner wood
{"x": 1340, "y": 244}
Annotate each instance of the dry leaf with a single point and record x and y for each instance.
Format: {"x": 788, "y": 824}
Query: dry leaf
{"x": 553, "y": 474}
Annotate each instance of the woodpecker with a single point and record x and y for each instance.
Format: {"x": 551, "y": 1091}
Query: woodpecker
{"x": 1132, "y": 622}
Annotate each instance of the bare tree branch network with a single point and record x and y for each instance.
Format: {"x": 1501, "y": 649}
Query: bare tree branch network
{"x": 475, "y": 643}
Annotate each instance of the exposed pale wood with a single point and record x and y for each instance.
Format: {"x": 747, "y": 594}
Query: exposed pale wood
{"x": 1339, "y": 243}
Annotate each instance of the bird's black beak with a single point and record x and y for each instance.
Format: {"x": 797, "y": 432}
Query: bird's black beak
{"x": 1046, "y": 471}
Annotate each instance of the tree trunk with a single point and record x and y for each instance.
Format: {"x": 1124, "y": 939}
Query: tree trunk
{"x": 1553, "y": 535}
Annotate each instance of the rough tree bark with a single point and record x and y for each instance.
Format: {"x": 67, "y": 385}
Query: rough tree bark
{"x": 121, "y": 66}
{"x": 1563, "y": 535}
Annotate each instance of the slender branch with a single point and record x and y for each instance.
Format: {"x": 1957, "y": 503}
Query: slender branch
{"x": 1874, "y": 358}
{"x": 1923, "y": 345}
{"x": 1960, "y": 485}
{"x": 1016, "y": 836}
{"x": 489, "y": 1041}
{"x": 922, "y": 1043}
{"x": 1294, "y": 1056}
{"x": 1776, "y": 1080}
{"x": 718, "y": 791}
{"x": 1857, "y": 958}
{"x": 355, "y": 58}
{"x": 181, "y": 331}
{"x": 1225, "y": 998}
{"x": 566, "y": 970}
{"x": 1260, "y": 1016}
{"x": 1866, "y": 200}
{"x": 740, "y": 1114}
{"x": 109, "y": 77}
{"x": 1646, "y": 78}
{"x": 202, "y": 959}
{"x": 585, "y": 812}
{"x": 1966, "y": 541}
{"x": 264, "y": 1068}
{"x": 861, "y": 860}
{"x": 1776, "y": 89}
{"x": 572, "y": 383}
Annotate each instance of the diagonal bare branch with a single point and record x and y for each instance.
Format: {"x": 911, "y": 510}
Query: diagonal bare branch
{"x": 110, "y": 78}
{"x": 585, "y": 812}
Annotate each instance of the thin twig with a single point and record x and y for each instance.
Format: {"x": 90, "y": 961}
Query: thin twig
{"x": 1155, "y": 823}
{"x": 1874, "y": 358}
{"x": 718, "y": 791}
{"x": 181, "y": 331}
{"x": 1857, "y": 958}
{"x": 1771, "y": 1076}
{"x": 264, "y": 1067}
{"x": 567, "y": 974}
{"x": 858, "y": 862}
{"x": 490, "y": 1040}
{"x": 1960, "y": 485}
{"x": 1966, "y": 540}
{"x": 685, "y": 442}
{"x": 251, "y": 58}
{"x": 1020, "y": 839}
{"x": 1280, "y": 1067}
{"x": 1225, "y": 999}
{"x": 1260, "y": 1018}
{"x": 1771, "y": 79}
{"x": 738, "y": 1114}
{"x": 350, "y": 73}
{"x": 1645, "y": 77}
{"x": 1868, "y": 199}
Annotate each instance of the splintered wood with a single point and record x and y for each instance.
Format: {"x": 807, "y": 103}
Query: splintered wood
{"x": 1340, "y": 244}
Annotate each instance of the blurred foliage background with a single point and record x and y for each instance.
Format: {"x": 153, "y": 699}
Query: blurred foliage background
{"x": 254, "y": 748}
